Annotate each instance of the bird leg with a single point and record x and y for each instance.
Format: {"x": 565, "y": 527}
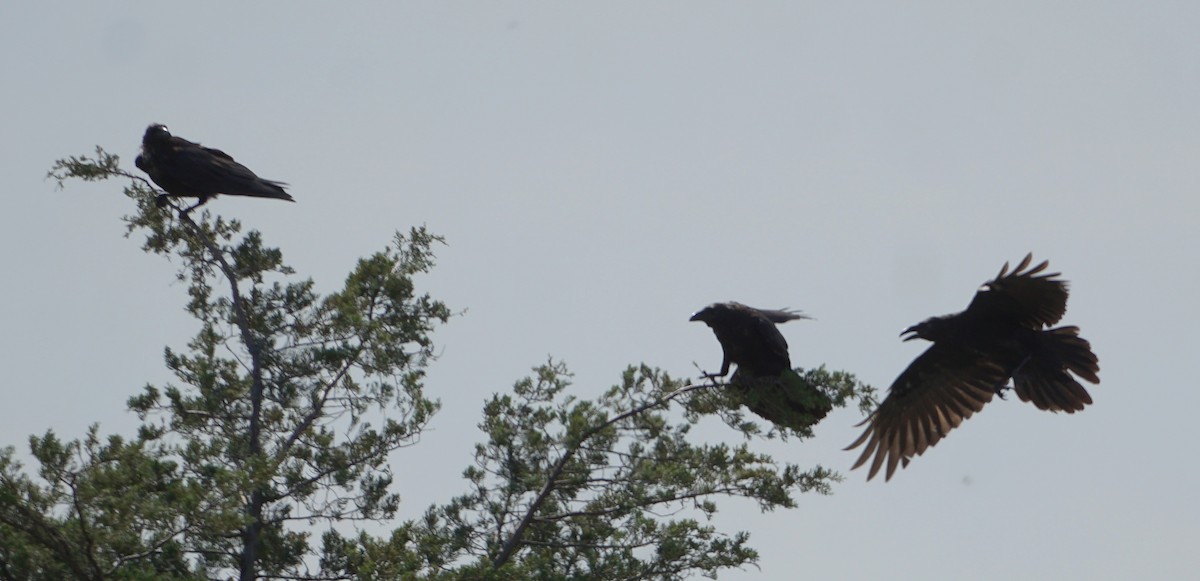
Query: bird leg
{"x": 711, "y": 377}
{"x": 1004, "y": 386}
{"x": 723, "y": 372}
{"x": 203, "y": 200}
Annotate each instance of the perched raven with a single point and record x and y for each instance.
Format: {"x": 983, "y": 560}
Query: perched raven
{"x": 764, "y": 379}
{"x": 186, "y": 169}
{"x": 974, "y": 353}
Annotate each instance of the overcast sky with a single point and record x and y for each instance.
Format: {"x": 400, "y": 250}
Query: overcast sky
{"x": 602, "y": 171}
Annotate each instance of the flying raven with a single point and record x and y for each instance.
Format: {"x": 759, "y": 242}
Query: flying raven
{"x": 764, "y": 379}
{"x": 186, "y": 169}
{"x": 999, "y": 336}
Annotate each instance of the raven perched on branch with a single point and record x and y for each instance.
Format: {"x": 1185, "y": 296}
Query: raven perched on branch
{"x": 974, "y": 353}
{"x": 764, "y": 379}
{"x": 186, "y": 169}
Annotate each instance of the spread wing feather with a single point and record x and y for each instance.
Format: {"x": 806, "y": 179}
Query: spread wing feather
{"x": 1044, "y": 380}
{"x": 1027, "y": 296}
{"x": 941, "y": 388}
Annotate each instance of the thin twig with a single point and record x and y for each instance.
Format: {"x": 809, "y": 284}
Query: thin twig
{"x": 514, "y": 540}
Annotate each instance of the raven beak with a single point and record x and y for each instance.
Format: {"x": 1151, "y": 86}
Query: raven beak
{"x": 695, "y": 316}
{"x": 913, "y": 330}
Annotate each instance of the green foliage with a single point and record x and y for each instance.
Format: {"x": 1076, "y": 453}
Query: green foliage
{"x": 608, "y": 489}
{"x": 286, "y": 405}
{"x": 106, "y": 510}
{"x": 815, "y": 388}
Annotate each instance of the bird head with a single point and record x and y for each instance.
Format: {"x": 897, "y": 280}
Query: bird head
{"x": 707, "y": 314}
{"x": 716, "y": 314}
{"x": 156, "y": 132}
{"x": 917, "y": 331}
{"x": 931, "y": 329}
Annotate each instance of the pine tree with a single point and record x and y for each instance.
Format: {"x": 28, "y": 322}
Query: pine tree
{"x": 286, "y": 409}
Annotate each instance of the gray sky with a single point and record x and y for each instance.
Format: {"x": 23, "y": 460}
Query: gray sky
{"x": 602, "y": 171}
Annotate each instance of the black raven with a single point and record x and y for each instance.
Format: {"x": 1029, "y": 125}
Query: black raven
{"x": 999, "y": 336}
{"x": 186, "y": 169}
{"x": 764, "y": 378}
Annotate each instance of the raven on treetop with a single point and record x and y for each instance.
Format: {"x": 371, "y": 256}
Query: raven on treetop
{"x": 186, "y": 169}
{"x": 764, "y": 379}
{"x": 999, "y": 336}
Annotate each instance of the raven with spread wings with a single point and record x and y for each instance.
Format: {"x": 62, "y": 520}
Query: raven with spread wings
{"x": 186, "y": 169}
{"x": 764, "y": 380}
{"x": 1001, "y": 335}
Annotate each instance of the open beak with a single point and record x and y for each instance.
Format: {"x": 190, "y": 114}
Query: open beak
{"x": 912, "y": 330}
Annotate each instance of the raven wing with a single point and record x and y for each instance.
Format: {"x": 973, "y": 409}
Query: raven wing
{"x": 204, "y": 170}
{"x": 778, "y": 315}
{"x": 1025, "y": 296}
{"x": 765, "y": 350}
{"x": 942, "y": 387}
